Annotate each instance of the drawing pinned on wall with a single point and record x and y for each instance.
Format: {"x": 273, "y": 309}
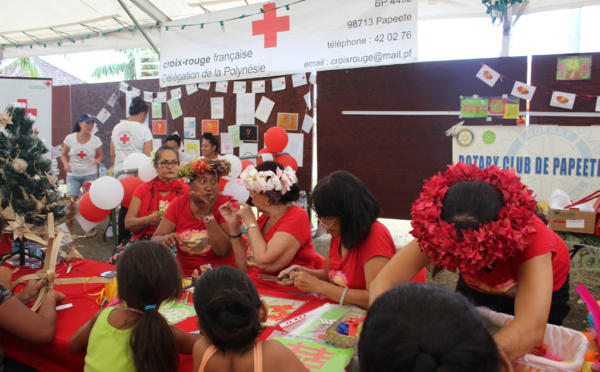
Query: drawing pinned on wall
{"x": 221, "y": 86}
{"x": 299, "y": 80}
{"x": 159, "y": 127}
{"x": 148, "y": 97}
{"x": 511, "y": 111}
{"x": 574, "y": 68}
{"x": 205, "y": 86}
{"x": 217, "y": 107}
{"x": 474, "y": 108}
{"x": 189, "y": 127}
{"x": 278, "y": 84}
{"x": 156, "y": 109}
{"x": 226, "y": 144}
{"x": 497, "y": 106}
{"x": 234, "y": 130}
{"x": 562, "y": 100}
{"x": 523, "y": 91}
{"x": 176, "y": 93}
{"x": 263, "y": 111}
{"x": 135, "y": 92}
{"x": 112, "y": 100}
{"x": 191, "y": 89}
{"x": 287, "y": 120}
{"x": 249, "y": 133}
{"x": 210, "y": 126}
{"x": 279, "y": 308}
{"x": 192, "y": 149}
{"x": 258, "y": 86}
{"x": 161, "y": 97}
{"x": 239, "y": 87}
{"x": 103, "y": 116}
{"x": 175, "y": 108}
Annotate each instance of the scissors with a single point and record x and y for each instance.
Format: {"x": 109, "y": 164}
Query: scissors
{"x": 74, "y": 262}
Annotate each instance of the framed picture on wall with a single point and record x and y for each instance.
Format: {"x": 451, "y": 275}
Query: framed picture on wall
{"x": 287, "y": 121}
{"x": 249, "y": 133}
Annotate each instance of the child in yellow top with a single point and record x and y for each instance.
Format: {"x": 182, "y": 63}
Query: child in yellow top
{"x": 230, "y": 312}
{"x": 137, "y": 337}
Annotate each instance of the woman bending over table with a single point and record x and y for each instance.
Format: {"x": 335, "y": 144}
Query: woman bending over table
{"x": 482, "y": 222}
{"x": 193, "y": 222}
{"x": 360, "y": 245}
{"x": 281, "y": 236}
{"x": 150, "y": 199}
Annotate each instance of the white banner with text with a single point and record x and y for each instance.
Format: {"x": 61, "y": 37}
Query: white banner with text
{"x": 281, "y": 38}
{"x": 547, "y": 157}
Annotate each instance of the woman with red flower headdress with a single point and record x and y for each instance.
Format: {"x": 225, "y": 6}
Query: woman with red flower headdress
{"x": 482, "y": 222}
{"x": 193, "y": 223}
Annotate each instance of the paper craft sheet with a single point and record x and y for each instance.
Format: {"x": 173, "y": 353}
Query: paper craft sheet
{"x": 175, "y": 311}
{"x": 279, "y": 309}
{"x": 312, "y": 326}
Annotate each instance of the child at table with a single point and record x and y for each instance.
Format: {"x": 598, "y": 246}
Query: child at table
{"x": 230, "y": 313}
{"x": 136, "y": 337}
{"x": 423, "y": 327}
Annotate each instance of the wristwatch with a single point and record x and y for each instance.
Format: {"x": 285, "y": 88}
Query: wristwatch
{"x": 207, "y": 219}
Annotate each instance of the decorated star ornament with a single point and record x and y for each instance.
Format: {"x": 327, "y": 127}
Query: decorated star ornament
{"x": 18, "y": 227}
{"x": 473, "y": 249}
{"x": 5, "y": 119}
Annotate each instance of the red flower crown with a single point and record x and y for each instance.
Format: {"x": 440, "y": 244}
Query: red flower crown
{"x": 473, "y": 250}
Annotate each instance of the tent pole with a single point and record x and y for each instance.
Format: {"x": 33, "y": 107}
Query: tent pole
{"x": 139, "y": 28}
{"x": 506, "y": 28}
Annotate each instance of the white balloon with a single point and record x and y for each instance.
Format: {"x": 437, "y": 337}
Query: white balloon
{"x": 133, "y": 161}
{"x": 146, "y": 171}
{"x": 236, "y": 166}
{"x": 106, "y": 192}
{"x": 236, "y": 191}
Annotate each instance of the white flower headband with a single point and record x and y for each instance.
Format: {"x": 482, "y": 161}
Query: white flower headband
{"x": 264, "y": 181}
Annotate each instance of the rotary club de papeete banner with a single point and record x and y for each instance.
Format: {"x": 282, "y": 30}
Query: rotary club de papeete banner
{"x": 287, "y": 37}
{"x": 546, "y": 157}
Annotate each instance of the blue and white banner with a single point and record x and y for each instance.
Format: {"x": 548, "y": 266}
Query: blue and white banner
{"x": 547, "y": 157}
{"x": 281, "y": 38}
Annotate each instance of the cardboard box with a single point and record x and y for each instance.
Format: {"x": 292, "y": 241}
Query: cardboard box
{"x": 572, "y": 220}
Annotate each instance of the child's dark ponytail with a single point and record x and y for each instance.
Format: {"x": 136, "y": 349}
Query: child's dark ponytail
{"x": 149, "y": 274}
{"x": 227, "y": 305}
{"x": 153, "y": 345}
{"x": 137, "y": 105}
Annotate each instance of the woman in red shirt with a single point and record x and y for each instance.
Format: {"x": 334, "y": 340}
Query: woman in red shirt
{"x": 281, "y": 236}
{"x": 193, "y": 223}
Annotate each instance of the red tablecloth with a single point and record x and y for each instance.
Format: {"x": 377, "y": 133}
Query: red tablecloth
{"x": 55, "y": 356}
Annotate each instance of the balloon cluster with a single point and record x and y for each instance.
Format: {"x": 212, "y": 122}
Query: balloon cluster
{"x": 276, "y": 140}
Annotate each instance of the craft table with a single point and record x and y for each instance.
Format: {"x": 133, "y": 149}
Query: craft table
{"x": 56, "y": 357}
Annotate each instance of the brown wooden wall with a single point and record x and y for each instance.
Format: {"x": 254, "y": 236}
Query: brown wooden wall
{"x": 543, "y": 76}
{"x": 91, "y": 98}
{"x": 392, "y": 155}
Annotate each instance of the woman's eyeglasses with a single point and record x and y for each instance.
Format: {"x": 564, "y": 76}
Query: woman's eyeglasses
{"x": 166, "y": 164}
{"x": 325, "y": 226}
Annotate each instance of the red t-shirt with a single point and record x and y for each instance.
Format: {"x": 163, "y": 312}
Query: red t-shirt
{"x": 294, "y": 221}
{"x": 503, "y": 278}
{"x": 150, "y": 199}
{"x": 196, "y": 249}
{"x": 350, "y": 270}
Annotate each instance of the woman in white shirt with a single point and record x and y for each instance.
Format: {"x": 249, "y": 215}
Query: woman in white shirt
{"x": 131, "y": 136}
{"x": 81, "y": 154}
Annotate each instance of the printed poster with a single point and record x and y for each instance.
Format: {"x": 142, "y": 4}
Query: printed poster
{"x": 263, "y": 111}
{"x": 226, "y": 144}
{"x": 192, "y": 149}
{"x": 234, "y": 130}
{"x": 156, "y": 109}
{"x": 287, "y": 121}
{"x": 175, "y": 108}
{"x": 210, "y": 126}
{"x": 217, "y": 108}
{"x": 574, "y": 68}
{"x": 249, "y": 133}
{"x": 189, "y": 127}
{"x": 159, "y": 127}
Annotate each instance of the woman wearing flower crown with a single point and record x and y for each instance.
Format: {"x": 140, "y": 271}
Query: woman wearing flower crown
{"x": 482, "y": 222}
{"x": 281, "y": 236}
{"x": 193, "y": 224}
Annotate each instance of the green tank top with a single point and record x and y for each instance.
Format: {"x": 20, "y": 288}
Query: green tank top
{"x": 108, "y": 348}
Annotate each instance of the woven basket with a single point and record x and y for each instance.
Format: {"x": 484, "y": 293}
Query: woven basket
{"x": 331, "y": 334}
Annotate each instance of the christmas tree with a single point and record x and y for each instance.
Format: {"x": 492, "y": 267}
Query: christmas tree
{"x": 28, "y": 190}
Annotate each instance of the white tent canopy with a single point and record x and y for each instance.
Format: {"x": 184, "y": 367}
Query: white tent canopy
{"x": 45, "y": 27}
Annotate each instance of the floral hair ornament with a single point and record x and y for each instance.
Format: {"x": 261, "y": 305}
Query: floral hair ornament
{"x": 198, "y": 167}
{"x": 473, "y": 250}
{"x": 264, "y": 181}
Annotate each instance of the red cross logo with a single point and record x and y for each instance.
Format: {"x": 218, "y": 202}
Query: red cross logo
{"x": 125, "y": 139}
{"x": 48, "y": 83}
{"x": 270, "y": 25}
{"x": 82, "y": 154}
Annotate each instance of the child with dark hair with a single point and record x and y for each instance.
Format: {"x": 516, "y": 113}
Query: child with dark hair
{"x": 230, "y": 312}
{"x": 420, "y": 327}
{"x": 136, "y": 337}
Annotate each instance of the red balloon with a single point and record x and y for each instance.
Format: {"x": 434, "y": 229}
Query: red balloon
{"x": 286, "y": 160}
{"x": 89, "y": 211}
{"x": 276, "y": 139}
{"x": 246, "y": 163}
{"x": 263, "y": 151}
{"x": 129, "y": 185}
{"x": 222, "y": 183}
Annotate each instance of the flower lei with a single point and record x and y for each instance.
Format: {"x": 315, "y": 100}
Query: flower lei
{"x": 473, "y": 250}
{"x": 264, "y": 181}
{"x": 190, "y": 170}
